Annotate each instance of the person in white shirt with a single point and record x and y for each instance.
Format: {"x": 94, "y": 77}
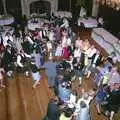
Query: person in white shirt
{"x": 21, "y": 62}
{"x": 51, "y": 35}
{"x": 77, "y": 52}
{"x": 72, "y": 101}
{"x": 90, "y": 53}
{"x": 65, "y": 23}
{"x": 8, "y": 37}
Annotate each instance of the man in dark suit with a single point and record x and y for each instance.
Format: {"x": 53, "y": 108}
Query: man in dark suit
{"x": 52, "y": 110}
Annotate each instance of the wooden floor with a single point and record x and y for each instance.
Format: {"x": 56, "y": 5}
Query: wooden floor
{"x": 18, "y": 101}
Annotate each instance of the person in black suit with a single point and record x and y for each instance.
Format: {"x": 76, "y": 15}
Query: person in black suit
{"x": 52, "y": 110}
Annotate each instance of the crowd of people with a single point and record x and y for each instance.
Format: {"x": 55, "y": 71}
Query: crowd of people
{"x": 70, "y": 58}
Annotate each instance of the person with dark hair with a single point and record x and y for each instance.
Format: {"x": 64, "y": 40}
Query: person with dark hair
{"x": 8, "y": 60}
{"x": 113, "y": 101}
{"x": 22, "y": 58}
{"x": 66, "y": 115}
{"x": 27, "y": 46}
{"x": 64, "y": 91}
{"x": 100, "y": 97}
{"x": 77, "y": 69}
{"x": 52, "y": 110}
{"x": 7, "y": 37}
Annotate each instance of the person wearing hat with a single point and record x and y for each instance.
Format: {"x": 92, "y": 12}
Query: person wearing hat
{"x": 34, "y": 73}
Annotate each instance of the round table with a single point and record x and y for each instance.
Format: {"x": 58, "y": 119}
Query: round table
{"x": 6, "y": 20}
{"x": 38, "y": 23}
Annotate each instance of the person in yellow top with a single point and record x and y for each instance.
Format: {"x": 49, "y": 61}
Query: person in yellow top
{"x": 66, "y": 115}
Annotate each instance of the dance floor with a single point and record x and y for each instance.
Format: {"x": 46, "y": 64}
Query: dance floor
{"x": 18, "y": 101}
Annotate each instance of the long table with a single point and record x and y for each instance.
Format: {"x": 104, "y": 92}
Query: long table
{"x": 88, "y": 22}
{"x": 106, "y": 40}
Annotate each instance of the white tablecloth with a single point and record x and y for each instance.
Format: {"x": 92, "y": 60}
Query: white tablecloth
{"x": 6, "y": 21}
{"x": 33, "y": 26}
{"x": 63, "y": 14}
{"x": 88, "y": 23}
{"x": 106, "y": 40}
